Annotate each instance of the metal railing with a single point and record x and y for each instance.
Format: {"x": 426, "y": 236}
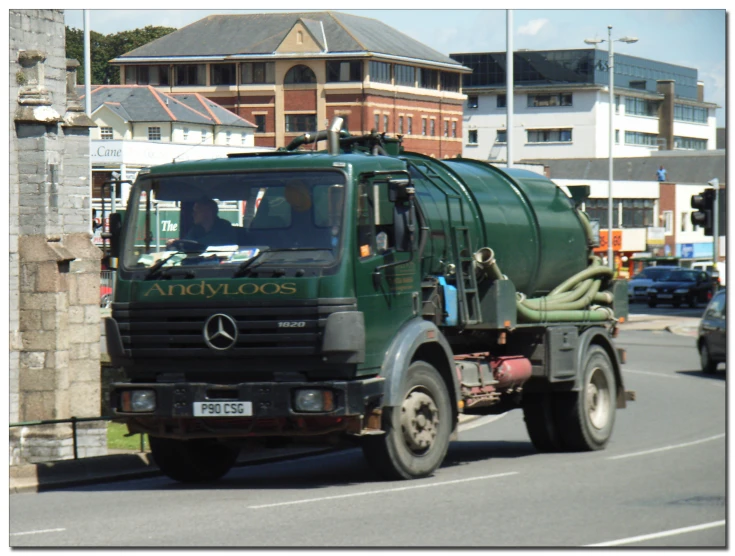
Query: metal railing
{"x": 73, "y": 421}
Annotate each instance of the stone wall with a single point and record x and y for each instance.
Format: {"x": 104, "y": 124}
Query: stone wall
{"x": 54, "y": 267}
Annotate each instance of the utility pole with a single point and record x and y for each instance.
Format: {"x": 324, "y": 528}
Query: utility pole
{"x": 715, "y": 183}
{"x": 509, "y": 87}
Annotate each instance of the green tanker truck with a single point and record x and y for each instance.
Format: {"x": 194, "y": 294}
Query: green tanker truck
{"x": 366, "y": 292}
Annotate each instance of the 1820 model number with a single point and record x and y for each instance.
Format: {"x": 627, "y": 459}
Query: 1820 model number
{"x": 292, "y": 324}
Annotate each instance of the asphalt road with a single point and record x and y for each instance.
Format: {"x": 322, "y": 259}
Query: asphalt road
{"x": 660, "y": 482}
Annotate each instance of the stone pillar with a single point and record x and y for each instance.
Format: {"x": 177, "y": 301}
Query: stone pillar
{"x": 55, "y": 269}
{"x": 666, "y": 114}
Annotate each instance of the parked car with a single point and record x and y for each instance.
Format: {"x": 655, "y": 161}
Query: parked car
{"x": 712, "y": 339}
{"x": 681, "y": 286}
{"x": 638, "y": 285}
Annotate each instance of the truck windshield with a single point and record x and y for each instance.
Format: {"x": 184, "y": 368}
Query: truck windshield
{"x": 215, "y": 219}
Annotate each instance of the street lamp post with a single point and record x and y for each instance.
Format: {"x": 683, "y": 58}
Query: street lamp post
{"x": 611, "y": 135}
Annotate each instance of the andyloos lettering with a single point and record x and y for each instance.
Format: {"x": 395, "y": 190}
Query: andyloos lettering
{"x": 210, "y": 290}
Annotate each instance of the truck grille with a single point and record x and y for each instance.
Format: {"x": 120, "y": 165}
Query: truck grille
{"x": 293, "y": 328}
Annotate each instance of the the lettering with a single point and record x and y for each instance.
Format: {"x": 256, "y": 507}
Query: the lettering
{"x": 264, "y": 286}
{"x": 157, "y": 288}
{"x": 190, "y": 291}
{"x": 169, "y": 226}
{"x": 248, "y": 288}
{"x": 288, "y": 288}
{"x": 209, "y": 291}
{"x": 104, "y": 151}
{"x": 212, "y": 290}
{"x": 174, "y": 286}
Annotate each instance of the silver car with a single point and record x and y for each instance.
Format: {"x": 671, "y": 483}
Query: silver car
{"x": 639, "y": 284}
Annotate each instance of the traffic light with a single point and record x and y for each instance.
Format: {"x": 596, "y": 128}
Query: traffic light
{"x": 704, "y": 203}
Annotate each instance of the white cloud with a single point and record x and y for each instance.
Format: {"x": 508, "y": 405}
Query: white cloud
{"x": 532, "y": 27}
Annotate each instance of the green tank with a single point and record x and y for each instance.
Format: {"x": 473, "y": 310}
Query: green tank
{"x": 538, "y": 237}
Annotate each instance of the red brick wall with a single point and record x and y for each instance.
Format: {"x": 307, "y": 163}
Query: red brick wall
{"x": 667, "y": 201}
{"x": 270, "y": 118}
{"x": 261, "y": 141}
{"x": 257, "y": 99}
{"x": 351, "y": 112}
{"x": 299, "y": 100}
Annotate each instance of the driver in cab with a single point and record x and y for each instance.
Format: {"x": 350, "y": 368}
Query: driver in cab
{"x": 208, "y": 228}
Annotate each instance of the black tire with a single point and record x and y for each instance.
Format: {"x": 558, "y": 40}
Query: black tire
{"x": 585, "y": 419}
{"x": 391, "y": 455}
{"x": 539, "y": 417}
{"x": 709, "y": 365}
{"x": 192, "y": 461}
{"x": 651, "y": 303}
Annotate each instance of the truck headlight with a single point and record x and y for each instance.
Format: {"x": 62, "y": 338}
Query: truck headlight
{"x": 138, "y": 401}
{"x": 682, "y": 290}
{"x": 313, "y": 400}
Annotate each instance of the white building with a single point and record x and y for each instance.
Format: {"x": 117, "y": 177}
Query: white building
{"x": 561, "y": 106}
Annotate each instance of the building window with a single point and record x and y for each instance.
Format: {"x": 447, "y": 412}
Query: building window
{"x": 186, "y": 134}
{"x": 191, "y": 74}
{"x": 561, "y": 99}
{"x": 472, "y": 101}
{"x": 260, "y": 123}
{"x": 596, "y": 209}
{"x": 668, "y": 222}
{"x": 549, "y": 135}
{"x": 427, "y": 79}
{"x": 242, "y": 138}
{"x": 385, "y": 123}
{"x": 501, "y": 136}
{"x": 637, "y": 213}
{"x": 379, "y": 72}
{"x": 154, "y": 133}
{"x": 690, "y": 143}
{"x": 106, "y": 133}
{"x": 640, "y": 138}
{"x": 339, "y": 72}
{"x": 450, "y": 81}
{"x": 299, "y": 37}
{"x": 146, "y": 75}
{"x": 409, "y": 130}
{"x": 641, "y": 107}
{"x": 299, "y": 74}
{"x": 617, "y": 136}
{"x": 223, "y": 74}
{"x": 432, "y": 128}
{"x": 228, "y": 137}
{"x": 454, "y": 129}
{"x": 684, "y": 113}
{"x": 617, "y": 104}
{"x": 205, "y": 136}
{"x": 502, "y": 101}
{"x": 423, "y": 126}
{"x": 377, "y": 123}
{"x": 405, "y": 75}
{"x": 400, "y": 125}
{"x": 300, "y": 123}
{"x": 684, "y": 219}
{"x": 254, "y": 73}
{"x": 472, "y": 137}
{"x": 446, "y": 128}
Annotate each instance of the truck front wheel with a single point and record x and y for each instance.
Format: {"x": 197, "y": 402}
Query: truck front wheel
{"x": 585, "y": 419}
{"x": 192, "y": 461}
{"x": 417, "y": 433}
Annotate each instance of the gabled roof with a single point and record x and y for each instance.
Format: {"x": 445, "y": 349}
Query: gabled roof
{"x": 222, "y": 36}
{"x": 140, "y": 103}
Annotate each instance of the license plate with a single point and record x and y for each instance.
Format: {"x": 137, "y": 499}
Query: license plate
{"x": 665, "y": 296}
{"x": 223, "y": 409}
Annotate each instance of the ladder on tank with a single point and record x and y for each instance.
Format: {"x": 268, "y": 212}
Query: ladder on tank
{"x": 468, "y": 297}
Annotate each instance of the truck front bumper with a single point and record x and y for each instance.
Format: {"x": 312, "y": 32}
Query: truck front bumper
{"x": 273, "y": 409}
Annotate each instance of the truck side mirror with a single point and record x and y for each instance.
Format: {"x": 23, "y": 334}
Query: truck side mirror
{"x": 404, "y": 226}
{"x": 115, "y": 234}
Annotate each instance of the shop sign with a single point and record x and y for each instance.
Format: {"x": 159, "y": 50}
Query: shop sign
{"x": 616, "y": 244}
{"x": 655, "y": 235}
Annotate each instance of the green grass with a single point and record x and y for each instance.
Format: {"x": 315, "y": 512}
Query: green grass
{"x": 117, "y": 440}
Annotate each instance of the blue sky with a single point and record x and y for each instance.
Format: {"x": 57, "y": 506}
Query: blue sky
{"x": 692, "y": 38}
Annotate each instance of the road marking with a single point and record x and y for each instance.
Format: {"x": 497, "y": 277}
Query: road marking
{"x": 669, "y": 533}
{"x": 383, "y": 491}
{"x": 665, "y": 448}
{"x": 481, "y": 421}
{"x": 37, "y": 532}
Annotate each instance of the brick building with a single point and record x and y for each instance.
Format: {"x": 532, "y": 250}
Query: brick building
{"x": 291, "y": 73}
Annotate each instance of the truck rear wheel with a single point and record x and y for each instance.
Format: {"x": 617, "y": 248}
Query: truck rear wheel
{"x": 417, "y": 433}
{"x": 539, "y": 417}
{"x": 193, "y": 461}
{"x": 585, "y": 419}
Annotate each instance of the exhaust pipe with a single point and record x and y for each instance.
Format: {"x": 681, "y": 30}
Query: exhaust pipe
{"x": 333, "y": 136}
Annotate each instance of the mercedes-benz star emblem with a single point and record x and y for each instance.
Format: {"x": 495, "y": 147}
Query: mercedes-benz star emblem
{"x": 220, "y": 332}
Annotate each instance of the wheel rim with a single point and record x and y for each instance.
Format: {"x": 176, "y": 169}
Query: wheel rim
{"x": 598, "y": 399}
{"x": 419, "y": 421}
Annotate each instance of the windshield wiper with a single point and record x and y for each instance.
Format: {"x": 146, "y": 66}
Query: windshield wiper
{"x": 245, "y": 265}
{"x": 156, "y": 267}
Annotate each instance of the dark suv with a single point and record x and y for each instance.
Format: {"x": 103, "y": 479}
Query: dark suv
{"x": 713, "y": 333}
{"x": 680, "y": 286}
